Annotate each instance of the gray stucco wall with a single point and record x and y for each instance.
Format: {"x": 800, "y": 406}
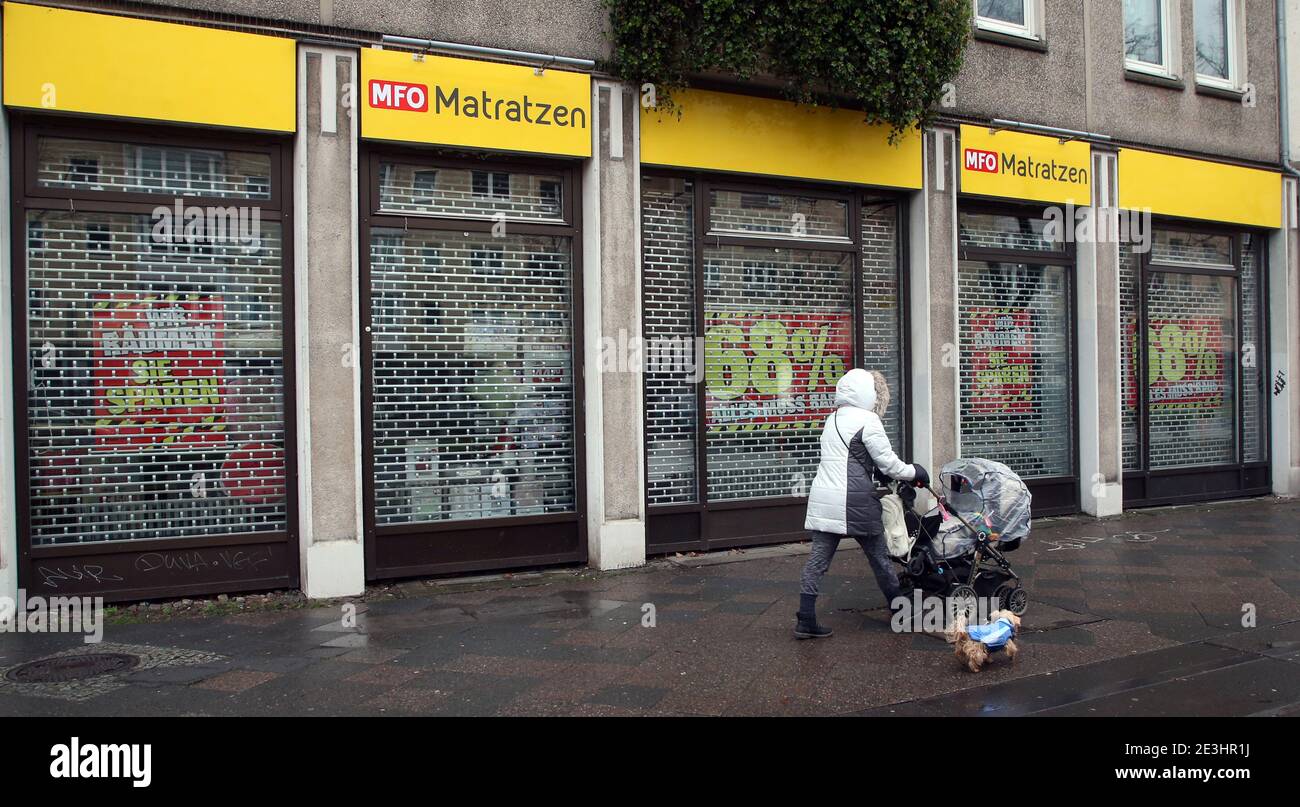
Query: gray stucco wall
{"x": 1079, "y": 82}
{"x": 561, "y": 27}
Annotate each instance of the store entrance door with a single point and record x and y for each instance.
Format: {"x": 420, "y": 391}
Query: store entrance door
{"x": 471, "y": 416}
{"x": 1019, "y": 395}
{"x": 1194, "y": 421}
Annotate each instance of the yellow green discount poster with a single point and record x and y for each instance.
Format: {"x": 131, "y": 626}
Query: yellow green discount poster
{"x": 773, "y": 370}
{"x": 1185, "y": 363}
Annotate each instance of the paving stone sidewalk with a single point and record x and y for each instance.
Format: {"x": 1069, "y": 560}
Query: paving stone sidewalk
{"x": 1141, "y": 614}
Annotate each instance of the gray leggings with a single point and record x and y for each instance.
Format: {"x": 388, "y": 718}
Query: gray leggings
{"x": 824, "y": 545}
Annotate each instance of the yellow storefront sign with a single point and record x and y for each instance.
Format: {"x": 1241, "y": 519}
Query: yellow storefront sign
{"x": 71, "y": 61}
{"x": 726, "y": 132}
{"x": 1016, "y": 165}
{"x": 1198, "y": 189}
{"x": 416, "y": 98}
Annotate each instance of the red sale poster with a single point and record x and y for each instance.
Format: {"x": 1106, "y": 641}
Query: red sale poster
{"x": 159, "y": 370}
{"x": 1000, "y": 356}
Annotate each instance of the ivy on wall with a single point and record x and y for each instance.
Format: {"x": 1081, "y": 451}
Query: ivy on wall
{"x": 891, "y": 58}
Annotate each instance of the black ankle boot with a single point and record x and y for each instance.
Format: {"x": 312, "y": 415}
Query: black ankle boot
{"x": 807, "y": 627}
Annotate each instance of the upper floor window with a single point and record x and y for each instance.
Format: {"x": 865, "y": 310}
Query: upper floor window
{"x": 1148, "y": 36}
{"x": 1014, "y": 17}
{"x": 1217, "y": 23}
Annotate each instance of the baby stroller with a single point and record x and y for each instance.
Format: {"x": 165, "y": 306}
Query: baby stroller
{"x": 958, "y": 549}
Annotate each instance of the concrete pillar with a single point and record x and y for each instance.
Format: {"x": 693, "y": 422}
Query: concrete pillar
{"x": 8, "y": 493}
{"x": 327, "y": 297}
{"x": 1097, "y": 269}
{"x": 936, "y": 415}
{"x": 1284, "y": 346}
{"x": 611, "y": 261}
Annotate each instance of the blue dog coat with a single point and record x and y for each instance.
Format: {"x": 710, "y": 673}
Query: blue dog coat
{"x": 993, "y": 635}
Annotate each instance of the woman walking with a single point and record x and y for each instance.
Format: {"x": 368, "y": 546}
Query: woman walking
{"x": 842, "y": 500}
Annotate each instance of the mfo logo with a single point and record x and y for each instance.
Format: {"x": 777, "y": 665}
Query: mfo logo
{"x": 396, "y": 95}
{"x": 980, "y": 160}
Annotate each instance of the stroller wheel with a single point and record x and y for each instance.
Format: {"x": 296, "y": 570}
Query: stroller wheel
{"x": 963, "y": 601}
{"x": 1013, "y": 598}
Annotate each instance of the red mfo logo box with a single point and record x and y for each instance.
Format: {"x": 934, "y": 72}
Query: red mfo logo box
{"x": 400, "y": 96}
{"x": 981, "y": 160}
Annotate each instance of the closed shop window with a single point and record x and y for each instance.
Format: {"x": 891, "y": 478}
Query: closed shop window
{"x": 1194, "y": 358}
{"x": 778, "y": 335}
{"x": 786, "y": 291}
{"x": 471, "y": 348}
{"x": 1015, "y": 331}
{"x": 156, "y": 379}
{"x": 1192, "y": 369}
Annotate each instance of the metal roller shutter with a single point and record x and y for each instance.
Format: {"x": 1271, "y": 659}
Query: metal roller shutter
{"x": 668, "y": 247}
{"x": 155, "y": 401}
{"x": 472, "y": 345}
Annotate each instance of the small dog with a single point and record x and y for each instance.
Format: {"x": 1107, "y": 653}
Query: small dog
{"x": 972, "y": 653}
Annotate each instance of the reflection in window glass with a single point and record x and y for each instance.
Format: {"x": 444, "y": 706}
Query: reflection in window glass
{"x": 1009, "y": 11}
{"x": 466, "y": 193}
{"x": 1191, "y": 367}
{"x": 1212, "y": 44}
{"x": 1181, "y": 248}
{"x": 1144, "y": 31}
{"x": 1006, "y": 231}
{"x": 131, "y": 168}
{"x": 779, "y": 215}
{"x": 778, "y": 335}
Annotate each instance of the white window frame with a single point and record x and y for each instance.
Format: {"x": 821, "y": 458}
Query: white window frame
{"x": 1030, "y": 30}
{"x": 1234, "y": 42}
{"x": 1168, "y": 23}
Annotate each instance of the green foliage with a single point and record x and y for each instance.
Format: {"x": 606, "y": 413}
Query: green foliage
{"x": 891, "y": 58}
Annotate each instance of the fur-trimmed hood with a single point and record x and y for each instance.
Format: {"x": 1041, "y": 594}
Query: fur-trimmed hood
{"x": 865, "y": 389}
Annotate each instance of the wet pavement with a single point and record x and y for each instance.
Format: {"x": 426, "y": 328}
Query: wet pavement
{"x": 1140, "y": 615}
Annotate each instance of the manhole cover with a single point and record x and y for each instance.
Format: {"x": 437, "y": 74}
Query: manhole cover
{"x": 71, "y": 668}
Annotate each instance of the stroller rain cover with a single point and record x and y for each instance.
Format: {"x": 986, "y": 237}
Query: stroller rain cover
{"x": 982, "y": 492}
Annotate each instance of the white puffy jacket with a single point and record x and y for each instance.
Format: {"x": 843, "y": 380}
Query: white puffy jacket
{"x": 842, "y": 497}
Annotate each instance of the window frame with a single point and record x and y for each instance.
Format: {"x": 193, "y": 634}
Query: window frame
{"x": 29, "y": 195}
{"x": 705, "y": 524}
{"x": 393, "y": 550}
{"x": 1145, "y": 486}
{"x": 1031, "y": 30}
{"x": 1166, "y": 68}
{"x": 1232, "y": 44}
{"x": 1058, "y": 495}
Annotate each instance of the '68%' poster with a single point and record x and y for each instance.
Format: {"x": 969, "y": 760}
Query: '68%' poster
{"x": 774, "y": 370}
{"x": 159, "y": 370}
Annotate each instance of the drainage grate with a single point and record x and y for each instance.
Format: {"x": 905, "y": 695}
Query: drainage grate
{"x": 71, "y": 668}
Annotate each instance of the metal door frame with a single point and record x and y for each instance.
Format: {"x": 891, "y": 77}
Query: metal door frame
{"x": 113, "y": 568}
{"x": 412, "y": 550}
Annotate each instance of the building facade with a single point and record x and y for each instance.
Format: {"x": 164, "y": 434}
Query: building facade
{"x": 382, "y": 291}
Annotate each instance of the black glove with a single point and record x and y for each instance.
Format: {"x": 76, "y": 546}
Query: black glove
{"x": 922, "y": 477}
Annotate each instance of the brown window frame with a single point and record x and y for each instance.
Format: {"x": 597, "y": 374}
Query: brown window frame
{"x": 90, "y": 568}
{"x": 398, "y": 550}
{"x": 706, "y": 526}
